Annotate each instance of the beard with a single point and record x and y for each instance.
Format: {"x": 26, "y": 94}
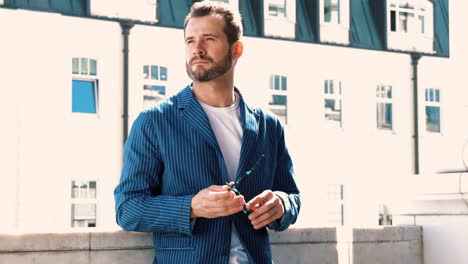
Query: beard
{"x": 218, "y": 68}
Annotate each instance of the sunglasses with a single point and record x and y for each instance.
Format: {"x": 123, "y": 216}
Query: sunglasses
{"x": 232, "y": 187}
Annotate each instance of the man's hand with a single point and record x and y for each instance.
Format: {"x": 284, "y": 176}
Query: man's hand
{"x": 216, "y": 201}
{"x": 266, "y": 207}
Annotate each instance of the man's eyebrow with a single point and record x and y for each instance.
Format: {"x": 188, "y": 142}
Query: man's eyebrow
{"x": 205, "y": 35}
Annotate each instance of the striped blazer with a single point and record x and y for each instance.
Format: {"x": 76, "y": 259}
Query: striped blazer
{"x": 171, "y": 154}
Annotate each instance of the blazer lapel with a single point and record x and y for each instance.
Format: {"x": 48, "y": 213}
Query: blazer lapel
{"x": 194, "y": 115}
{"x": 249, "y": 138}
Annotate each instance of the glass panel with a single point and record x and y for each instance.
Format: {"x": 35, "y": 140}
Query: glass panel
{"x": 278, "y": 100}
{"x": 333, "y": 109}
{"x": 84, "y": 66}
{"x": 83, "y": 97}
{"x": 277, "y": 8}
{"x": 160, "y": 88}
{"x": 146, "y": 72}
{"x": 163, "y": 73}
{"x": 426, "y": 95}
{"x": 84, "y": 211}
{"x": 154, "y": 72}
{"x": 276, "y": 83}
{"x": 405, "y": 19}
{"x": 74, "y": 190}
{"x": 75, "y": 65}
{"x": 326, "y": 86}
{"x": 433, "y": 118}
{"x": 331, "y": 84}
{"x": 331, "y": 11}
{"x": 92, "y": 67}
{"x": 384, "y": 115}
{"x": 92, "y": 190}
{"x": 393, "y": 21}
{"x": 284, "y": 86}
{"x": 431, "y": 95}
{"x": 389, "y": 92}
{"x": 421, "y": 22}
{"x": 437, "y": 95}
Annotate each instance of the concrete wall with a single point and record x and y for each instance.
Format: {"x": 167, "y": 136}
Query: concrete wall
{"x": 388, "y": 245}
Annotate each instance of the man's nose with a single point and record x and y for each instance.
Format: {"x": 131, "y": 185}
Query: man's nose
{"x": 199, "y": 49}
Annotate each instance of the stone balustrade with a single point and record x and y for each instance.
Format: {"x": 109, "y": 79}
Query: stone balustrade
{"x": 380, "y": 245}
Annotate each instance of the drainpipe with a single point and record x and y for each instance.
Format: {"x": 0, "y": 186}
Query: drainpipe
{"x": 414, "y": 62}
{"x": 126, "y": 26}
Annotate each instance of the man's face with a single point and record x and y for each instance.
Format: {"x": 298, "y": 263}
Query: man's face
{"x": 207, "y": 51}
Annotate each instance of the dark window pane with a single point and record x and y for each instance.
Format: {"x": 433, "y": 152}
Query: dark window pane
{"x": 327, "y": 11}
{"x": 393, "y": 21}
{"x": 437, "y": 95}
{"x": 384, "y": 115}
{"x": 83, "y": 97}
{"x": 146, "y": 72}
{"x": 276, "y": 82}
{"x": 433, "y": 119}
{"x": 284, "y": 86}
{"x": 278, "y": 100}
{"x": 326, "y": 86}
{"x": 163, "y": 74}
{"x": 92, "y": 67}
{"x": 333, "y": 109}
{"x": 154, "y": 73}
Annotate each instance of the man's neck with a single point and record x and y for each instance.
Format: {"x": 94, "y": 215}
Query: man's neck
{"x": 217, "y": 93}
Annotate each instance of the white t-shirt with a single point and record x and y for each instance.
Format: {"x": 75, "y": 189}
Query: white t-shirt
{"x": 226, "y": 125}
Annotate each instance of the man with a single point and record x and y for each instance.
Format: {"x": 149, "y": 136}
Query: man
{"x": 187, "y": 159}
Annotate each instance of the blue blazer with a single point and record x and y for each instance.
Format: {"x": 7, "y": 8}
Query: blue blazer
{"x": 171, "y": 154}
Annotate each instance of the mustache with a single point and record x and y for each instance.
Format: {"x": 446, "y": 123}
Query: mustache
{"x": 200, "y": 57}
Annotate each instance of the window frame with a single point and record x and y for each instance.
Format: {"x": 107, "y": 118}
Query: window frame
{"x": 280, "y": 92}
{"x": 87, "y": 77}
{"x": 335, "y": 32}
{"x": 282, "y": 27}
{"x": 333, "y": 96}
{"x": 153, "y": 82}
{"x": 433, "y": 103}
{"x": 411, "y": 39}
{"x": 384, "y": 100}
{"x": 84, "y": 201}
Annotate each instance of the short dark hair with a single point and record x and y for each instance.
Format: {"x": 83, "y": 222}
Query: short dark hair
{"x": 233, "y": 27}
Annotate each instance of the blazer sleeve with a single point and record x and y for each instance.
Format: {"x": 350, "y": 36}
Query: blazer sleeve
{"x": 284, "y": 186}
{"x": 138, "y": 203}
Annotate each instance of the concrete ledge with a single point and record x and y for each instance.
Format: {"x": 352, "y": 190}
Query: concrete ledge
{"x": 330, "y": 245}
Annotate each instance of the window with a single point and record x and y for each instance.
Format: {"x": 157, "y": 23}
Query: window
{"x": 410, "y": 25}
{"x": 280, "y": 18}
{"x": 83, "y": 204}
{"x": 278, "y": 103}
{"x": 331, "y": 11}
{"x": 154, "y": 85}
{"x": 334, "y": 21}
{"x": 233, "y": 3}
{"x": 384, "y": 107}
{"x": 332, "y": 102}
{"x": 432, "y": 98}
{"x": 336, "y": 204}
{"x": 85, "y": 92}
{"x": 385, "y": 217}
{"x": 142, "y": 10}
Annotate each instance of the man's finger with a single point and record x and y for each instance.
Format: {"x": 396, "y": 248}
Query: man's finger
{"x": 260, "y": 199}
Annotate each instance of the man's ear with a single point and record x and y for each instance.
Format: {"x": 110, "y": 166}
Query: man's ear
{"x": 237, "y": 49}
